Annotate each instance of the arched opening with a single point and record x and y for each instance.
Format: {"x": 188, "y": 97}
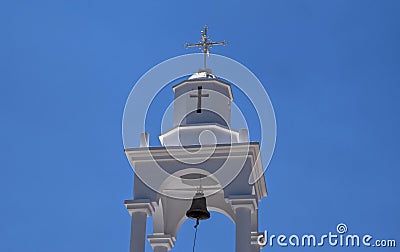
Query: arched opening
{"x": 214, "y": 235}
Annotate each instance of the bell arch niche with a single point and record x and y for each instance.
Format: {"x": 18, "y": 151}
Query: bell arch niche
{"x": 170, "y": 213}
{"x": 169, "y": 199}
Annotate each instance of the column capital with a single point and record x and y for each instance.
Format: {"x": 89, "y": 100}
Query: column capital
{"x": 140, "y": 205}
{"x": 161, "y": 240}
{"x": 243, "y": 201}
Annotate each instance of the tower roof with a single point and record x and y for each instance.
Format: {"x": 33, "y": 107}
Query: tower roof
{"x": 203, "y": 74}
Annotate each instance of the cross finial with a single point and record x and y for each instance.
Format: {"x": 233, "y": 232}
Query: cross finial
{"x": 205, "y": 44}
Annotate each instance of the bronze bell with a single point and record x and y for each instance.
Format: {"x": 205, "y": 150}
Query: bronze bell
{"x": 198, "y": 210}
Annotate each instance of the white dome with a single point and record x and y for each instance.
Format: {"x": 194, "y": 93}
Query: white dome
{"x": 203, "y": 74}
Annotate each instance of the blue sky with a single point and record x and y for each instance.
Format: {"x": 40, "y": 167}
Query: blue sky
{"x": 331, "y": 69}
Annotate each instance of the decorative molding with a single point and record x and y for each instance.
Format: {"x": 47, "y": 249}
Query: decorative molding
{"x": 164, "y": 153}
{"x": 161, "y": 240}
{"x": 243, "y": 201}
{"x": 140, "y": 205}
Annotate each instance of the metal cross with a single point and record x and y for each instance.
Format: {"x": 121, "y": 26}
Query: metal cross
{"x": 205, "y": 44}
{"x": 199, "y": 95}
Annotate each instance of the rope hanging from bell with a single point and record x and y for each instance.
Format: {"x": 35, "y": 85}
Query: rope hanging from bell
{"x": 195, "y": 234}
{"x": 198, "y": 211}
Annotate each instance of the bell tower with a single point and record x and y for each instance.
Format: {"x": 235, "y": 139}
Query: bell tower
{"x": 202, "y": 166}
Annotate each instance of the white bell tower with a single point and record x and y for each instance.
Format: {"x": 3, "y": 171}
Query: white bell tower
{"x": 201, "y": 150}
